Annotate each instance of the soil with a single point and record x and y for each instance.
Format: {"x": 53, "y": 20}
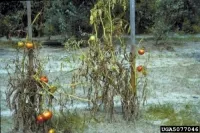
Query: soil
{"x": 173, "y": 74}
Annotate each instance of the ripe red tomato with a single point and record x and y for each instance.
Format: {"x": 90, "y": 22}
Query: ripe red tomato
{"x": 29, "y": 45}
{"x": 47, "y": 115}
{"x": 52, "y": 131}
{"x": 141, "y": 51}
{"x": 40, "y": 119}
{"x": 44, "y": 79}
{"x": 139, "y": 68}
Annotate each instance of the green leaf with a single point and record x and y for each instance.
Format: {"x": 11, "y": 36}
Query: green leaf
{"x": 91, "y": 20}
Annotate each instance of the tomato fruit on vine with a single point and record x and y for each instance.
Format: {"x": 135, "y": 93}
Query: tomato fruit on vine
{"x": 47, "y": 115}
{"x": 92, "y": 38}
{"x": 20, "y": 44}
{"x": 40, "y": 119}
{"x": 141, "y": 51}
{"x": 139, "y": 68}
{"x": 44, "y": 79}
{"x": 29, "y": 45}
{"x": 52, "y": 89}
{"x": 52, "y": 131}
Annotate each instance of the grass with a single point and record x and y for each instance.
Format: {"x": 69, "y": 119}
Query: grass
{"x": 74, "y": 121}
{"x": 169, "y": 116}
{"x": 155, "y": 112}
{"x": 69, "y": 122}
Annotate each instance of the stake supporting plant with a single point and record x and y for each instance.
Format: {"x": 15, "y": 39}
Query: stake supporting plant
{"x": 133, "y": 78}
{"x": 133, "y": 43}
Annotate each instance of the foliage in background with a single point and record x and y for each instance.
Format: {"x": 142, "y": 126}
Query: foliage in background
{"x": 175, "y": 16}
{"x": 9, "y": 21}
{"x": 71, "y": 17}
{"x": 169, "y": 15}
{"x": 145, "y": 15}
{"x": 66, "y": 17}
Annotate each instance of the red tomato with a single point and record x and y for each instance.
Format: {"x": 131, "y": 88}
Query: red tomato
{"x": 139, "y": 68}
{"x": 141, "y": 51}
{"x": 44, "y": 79}
{"x": 40, "y": 119}
{"x": 47, "y": 115}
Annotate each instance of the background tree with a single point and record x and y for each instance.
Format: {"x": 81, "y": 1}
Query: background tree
{"x": 145, "y": 15}
{"x": 71, "y": 17}
{"x": 175, "y": 16}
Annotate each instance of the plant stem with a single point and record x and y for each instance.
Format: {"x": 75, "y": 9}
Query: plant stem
{"x": 111, "y": 24}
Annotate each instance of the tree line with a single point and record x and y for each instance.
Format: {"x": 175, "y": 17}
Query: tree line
{"x": 72, "y": 17}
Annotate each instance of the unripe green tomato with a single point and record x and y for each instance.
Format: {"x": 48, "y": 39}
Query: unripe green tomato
{"x": 20, "y": 44}
{"x": 92, "y": 38}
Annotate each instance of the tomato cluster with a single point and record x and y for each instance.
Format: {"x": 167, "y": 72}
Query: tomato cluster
{"x": 28, "y": 45}
{"x": 46, "y": 115}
